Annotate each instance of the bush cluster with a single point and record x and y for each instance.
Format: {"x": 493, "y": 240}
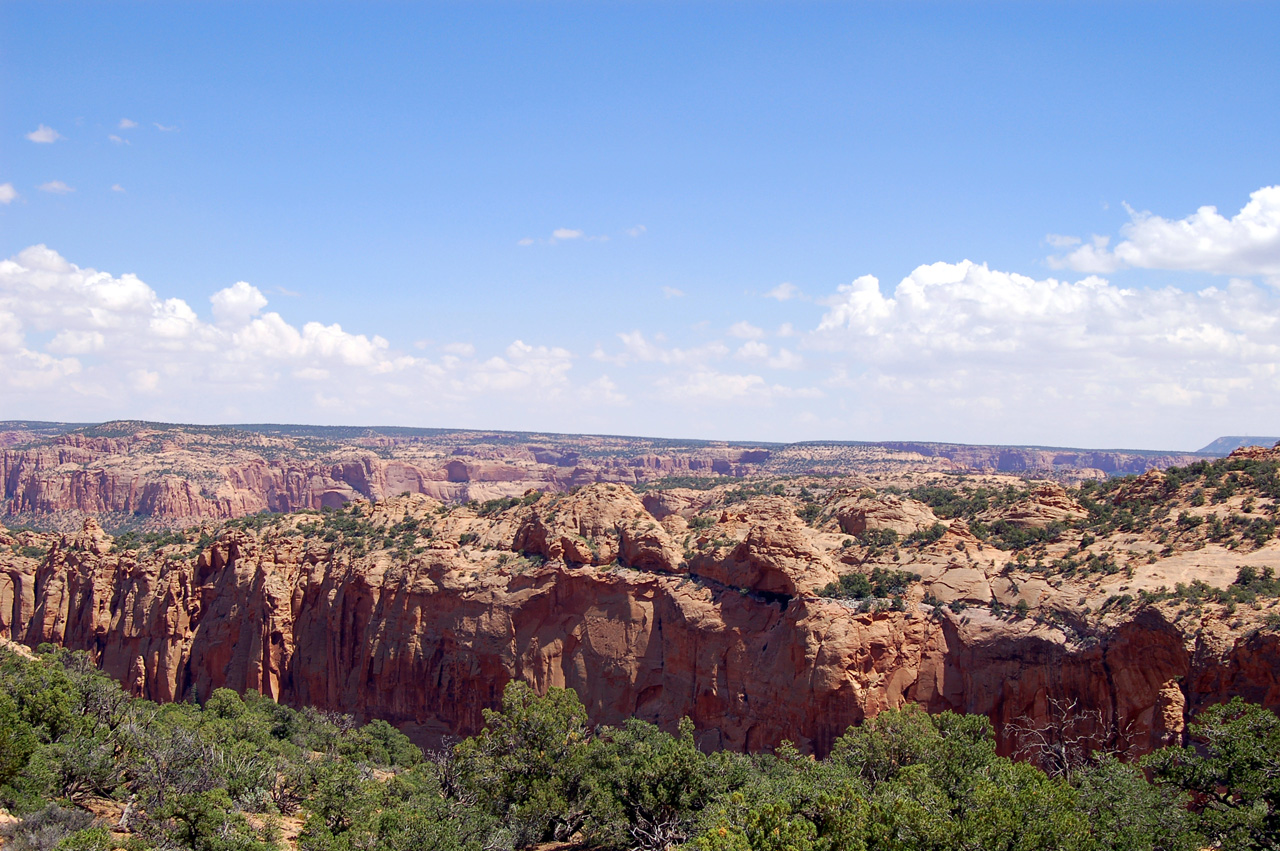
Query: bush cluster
{"x": 881, "y": 583}
{"x": 209, "y": 777}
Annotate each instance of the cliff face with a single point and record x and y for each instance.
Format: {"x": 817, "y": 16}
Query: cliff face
{"x": 180, "y": 475}
{"x": 184, "y": 476}
{"x": 734, "y": 639}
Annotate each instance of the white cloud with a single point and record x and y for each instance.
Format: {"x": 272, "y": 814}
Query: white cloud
{"x": 1248, "y": 243}
{"x": 1058, "y": 240}
{"x": 524, "y": 367}
{"x": 115, "y": 347}
{"x": 145, "y": 381}
{"x": 1060, "y": 357}
{"x": 76, "y": 342}
{"x": 166, "y": 128}
{"x": 116, "y": 187}
{"x": 604, "y": 392}
{"x": 672, "y": 292}
{"x": 784, "y": 291}
{"x": 126, "y": 124}
{"x": 706, "y": 386}
{"x": 754, "y": 350}
{"x": 237, "y": 304}
{"x": 638, "y": 349}
{"x": 744, "y": 330}
{"x": 119, "y": 141}
{"x": 563, "y": 235}
{"x": 7, "y": 193}
{"x": 638, "y": 230}
{"x": 44, "y": 135}
{"x": 786, "y": 359}
{"x": 57, "y": 187}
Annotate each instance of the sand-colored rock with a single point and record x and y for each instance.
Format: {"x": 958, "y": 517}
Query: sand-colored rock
{"x": 586, "y": 590}
{"x": 1047, "y": 503}
{"x": 859, "y": 514}
{"x": 599, "y": 524}
{"x": 772, "y": 551}
{"x": 1149, "y": 487}
{"x": 430, "y": 643}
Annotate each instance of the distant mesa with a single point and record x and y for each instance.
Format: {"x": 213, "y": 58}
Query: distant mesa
{"x": 129, "y": 472}
{"x": 1224, "y": 446}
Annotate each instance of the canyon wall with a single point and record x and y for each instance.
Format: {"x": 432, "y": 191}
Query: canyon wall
{"x": 171, "y": 477}
{"x": 428, "y": 643}
{"x": 181, "y": 475}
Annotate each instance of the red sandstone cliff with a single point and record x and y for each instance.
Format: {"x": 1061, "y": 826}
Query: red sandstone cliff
{"x": 179, "y": 475}
{"x": 734, "y": 638}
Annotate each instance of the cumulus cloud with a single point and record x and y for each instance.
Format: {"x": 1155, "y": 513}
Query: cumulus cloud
{"x": 7, "y": 193}
{"x": 708, "y": 386}
{"x": 784, "y": 291}
{"x": 637, "y": 348}
{"x": 82, "y": 344}
{"x": 118, "y": 140}
{"x": 1057, "y": 356}
{"x": 126, "y": 124}
{"x": 44, "y": 135}
{"x": 116, "y": 187}
{"x": 57, "y": 187}
{"x": 745, "y": 330}
{"x": 1248, "y": 243}
{"x": 237, "y": 304}
{"x": 755, "y": 350}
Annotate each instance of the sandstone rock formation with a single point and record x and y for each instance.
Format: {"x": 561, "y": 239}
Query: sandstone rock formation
{"x": 425, "y": 630}
{"x": 859, "y": 514}
{"x": 1048, "y": 503}
{"x": 180, "y": 475}
{"x": 597, "y": 525}
{"x": 766, "y": 549}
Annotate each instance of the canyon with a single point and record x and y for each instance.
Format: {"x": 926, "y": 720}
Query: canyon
{"x": 714, "y": 603}
{"x": 131, "y": 473}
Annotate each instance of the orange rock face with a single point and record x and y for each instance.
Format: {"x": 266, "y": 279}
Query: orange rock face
{"x": 738, "y": 644}
{"x": 857, "y": 515}
{"x": 1048, "y": 503}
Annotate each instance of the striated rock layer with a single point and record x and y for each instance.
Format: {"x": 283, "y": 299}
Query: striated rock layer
{"x": 428, "y": 642}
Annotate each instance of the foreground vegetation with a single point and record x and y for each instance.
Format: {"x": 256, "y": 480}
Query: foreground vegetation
{"x": 225, "y": 775}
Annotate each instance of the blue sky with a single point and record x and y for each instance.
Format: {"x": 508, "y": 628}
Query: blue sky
{"x": 400, "y": 171}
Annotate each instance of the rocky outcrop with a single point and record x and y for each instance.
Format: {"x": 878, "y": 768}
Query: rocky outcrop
{"x": 859, "y": 514}
{"x": 738, "y": 645}
{"x": 762, "y": 546}
{"x": 597, "y": 525}
{"x": 1046, "y": 505}
{"x": 181, "y": 475}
